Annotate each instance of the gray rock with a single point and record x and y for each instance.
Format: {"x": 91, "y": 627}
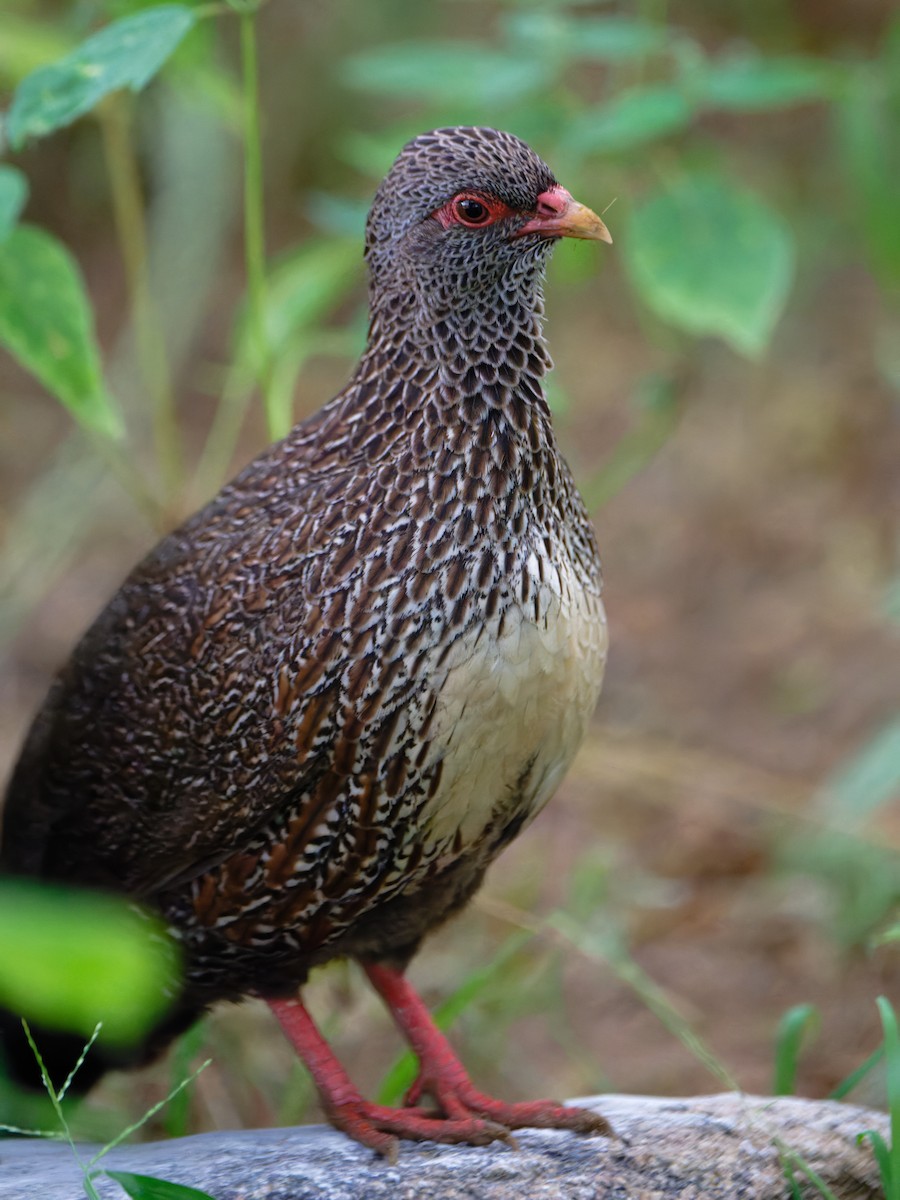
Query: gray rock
{"x": 727, "y": 1147}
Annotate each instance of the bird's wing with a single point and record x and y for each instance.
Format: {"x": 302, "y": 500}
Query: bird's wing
{"x": 221, "y": 684}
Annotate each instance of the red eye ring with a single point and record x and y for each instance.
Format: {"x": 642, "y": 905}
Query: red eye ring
{"x": 472, "y": 210}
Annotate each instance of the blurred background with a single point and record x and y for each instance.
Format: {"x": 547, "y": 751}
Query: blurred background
{"x": 727, "y": 390}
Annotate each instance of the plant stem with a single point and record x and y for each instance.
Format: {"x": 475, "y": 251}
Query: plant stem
{"x": 128, "y": 206}
{"x": 126, "y": 474}
{"x": 254, "y": 229}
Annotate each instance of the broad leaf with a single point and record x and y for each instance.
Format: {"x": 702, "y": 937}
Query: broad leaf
{"x": 46, "y": 323}
{"x": 635, "y": 117}
{"x": 127, "y": 53}
{"x": 750, "y": 84}
{"x": 69, "y": 959}
{"x": 604, "y": 39}
{"x": 145, "y": 1187}
{"x": 460, "y": 71}
{"x": 13, "y": 194}
{"x": 712, "y": 259}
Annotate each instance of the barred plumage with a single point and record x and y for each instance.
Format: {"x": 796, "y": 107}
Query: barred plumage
{"x": 315, "y": 713}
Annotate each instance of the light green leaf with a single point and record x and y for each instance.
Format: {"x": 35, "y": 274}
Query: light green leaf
{"x": 46, "y": 323}
{"x": 334, "y": 214}
{"x": 145, "y": 1187}
{"x": 127, "y": 53}
{"x": 635, "y": 117}
{"x": 751, "y": 84}
{"x": 461, "y": 71}
{"x": 603, "y": 39}
{"x": 70, "y": 959}
{"x": 13, "y": 194}
{"x": 712, "y": 259}
{"x": 870, "y": 780}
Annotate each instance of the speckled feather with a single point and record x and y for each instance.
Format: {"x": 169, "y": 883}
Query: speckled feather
{"x": 316, "y": 712}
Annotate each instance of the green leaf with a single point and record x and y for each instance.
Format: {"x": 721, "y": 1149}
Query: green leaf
{"x": 751, "y": 84}
{"x": 13, "y": 194}
{"x": 145, "y": 1187}
{"x": 870, "y": 780}
{"x": 634, "y": 118}
{"x": 448, "y": 71}
{"x": 711, "y": 259}
{"x": 127, "y": 53}
{"x": 616, "y": 39}
{"x": 46, "y": 323}
{"x": 69, "y": 960}
{"x": 603, "y": 39}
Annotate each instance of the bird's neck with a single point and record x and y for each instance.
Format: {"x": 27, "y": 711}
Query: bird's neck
{"x": 468, "y": 363}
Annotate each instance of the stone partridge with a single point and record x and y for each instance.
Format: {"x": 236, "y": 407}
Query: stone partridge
{"x": 314, "y": 714}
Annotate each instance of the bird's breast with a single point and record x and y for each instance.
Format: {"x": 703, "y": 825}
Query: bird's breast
{"x": 517, "y": 692}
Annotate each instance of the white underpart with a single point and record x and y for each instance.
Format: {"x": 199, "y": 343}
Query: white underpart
{"x": 509, "y": 696}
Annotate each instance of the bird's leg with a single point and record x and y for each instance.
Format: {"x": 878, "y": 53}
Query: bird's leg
{"x": 372, "y": 1124}
{"x": 443, "y": 1077}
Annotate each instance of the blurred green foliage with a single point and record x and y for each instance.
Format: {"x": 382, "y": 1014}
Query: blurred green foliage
{"x": 71, "y": 960}
{"x": 622, "y": 92}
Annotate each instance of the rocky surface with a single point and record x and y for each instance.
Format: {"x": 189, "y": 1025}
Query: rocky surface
{"x": 727, "y": 1147}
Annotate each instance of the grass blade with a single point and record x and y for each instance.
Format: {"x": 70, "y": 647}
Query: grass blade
{"x": 792, "y": 1028}
{"x": 892, "y": 1080}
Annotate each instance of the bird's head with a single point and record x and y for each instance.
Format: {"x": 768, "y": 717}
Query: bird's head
{"x": 465, "y": 214}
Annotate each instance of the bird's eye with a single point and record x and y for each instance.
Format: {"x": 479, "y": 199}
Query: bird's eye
{"x": 471, "y": 211}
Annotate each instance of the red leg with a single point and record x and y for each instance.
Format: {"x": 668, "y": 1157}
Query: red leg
{"x": 443, "y": 1076}
{"x": 372, "y": 1124}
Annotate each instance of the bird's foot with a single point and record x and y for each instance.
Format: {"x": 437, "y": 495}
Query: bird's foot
{"x": 443, "y": 1077}
{"x": 458, "y": 1098}
{"x": 379, "y": 1127}
{"x": 373, "y": 1124}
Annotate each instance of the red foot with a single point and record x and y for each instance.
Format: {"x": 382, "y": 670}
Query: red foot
{"x": 465, "y": 1114}
{"x": 443, "y": 1077}
{"x": 371, "y": 1124}
{"x": 380, "y": 1127}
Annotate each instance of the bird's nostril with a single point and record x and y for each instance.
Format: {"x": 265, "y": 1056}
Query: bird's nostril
{"x": 552, "y": 202}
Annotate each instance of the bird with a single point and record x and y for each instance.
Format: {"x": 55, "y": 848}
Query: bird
{"x": 315, "y": 713}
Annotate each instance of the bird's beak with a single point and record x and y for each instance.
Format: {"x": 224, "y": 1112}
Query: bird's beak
{"x": 559, "y": 215}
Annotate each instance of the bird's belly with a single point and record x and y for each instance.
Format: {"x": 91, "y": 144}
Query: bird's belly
{"x": 512, "y": 711}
